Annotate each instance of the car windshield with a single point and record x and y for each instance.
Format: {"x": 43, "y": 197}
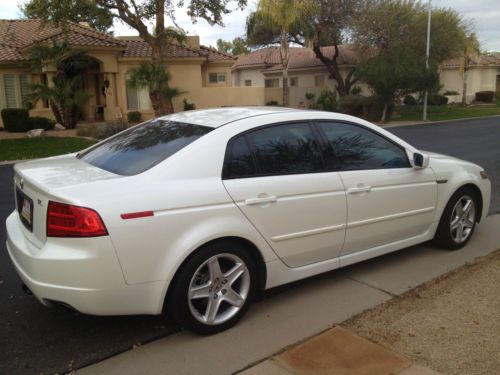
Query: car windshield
{"x": 135, "y": 150}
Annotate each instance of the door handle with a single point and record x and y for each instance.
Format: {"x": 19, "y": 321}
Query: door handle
{"x": 359, "y": 189}
{"x": 260, "y": 200}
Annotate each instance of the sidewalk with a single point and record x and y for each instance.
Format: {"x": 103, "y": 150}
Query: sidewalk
{"x": 299, "y": 311}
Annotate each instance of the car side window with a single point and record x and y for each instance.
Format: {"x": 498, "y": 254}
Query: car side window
{"x": 280, "y": 149}
{"x": 352, "y": 147}
{"x": 239, "y": 162}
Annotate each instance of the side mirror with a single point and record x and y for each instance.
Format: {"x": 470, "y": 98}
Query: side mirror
{"x": 420, "y": 160}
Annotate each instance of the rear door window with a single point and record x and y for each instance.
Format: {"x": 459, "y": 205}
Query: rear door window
{"x": 142, "y": 147}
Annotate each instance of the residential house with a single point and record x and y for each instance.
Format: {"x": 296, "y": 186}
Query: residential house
{"x": 262, "y": 68}
{"x": 483, "y": 75}
{"x": 203, "y": 73}
{"x": 307, "y": 74}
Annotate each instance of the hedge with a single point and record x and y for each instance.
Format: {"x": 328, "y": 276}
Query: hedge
{"x": 16, "y": 120}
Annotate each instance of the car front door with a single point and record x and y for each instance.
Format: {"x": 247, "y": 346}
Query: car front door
{"x": 275, "y": 174}
{"x": 387, "y": 199}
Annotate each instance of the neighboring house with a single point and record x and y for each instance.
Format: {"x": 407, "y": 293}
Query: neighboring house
{"x": 203, "y": 73}
{"x": 262, "y": 68}
{"x": 483, "y": 75}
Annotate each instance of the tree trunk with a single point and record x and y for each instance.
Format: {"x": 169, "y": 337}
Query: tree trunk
{"x": 56, "y": 111}
{"x": 156, "y": 102}
{"x": 284, "y": 54}
{"x": 464, "y": 88}
{"x": 384, "y": 114}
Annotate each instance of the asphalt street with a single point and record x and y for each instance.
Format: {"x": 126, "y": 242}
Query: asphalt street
{"x": 35, "y": 339}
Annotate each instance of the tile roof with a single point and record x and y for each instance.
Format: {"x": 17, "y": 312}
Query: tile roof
{"x": 17, "y": 34}
{"x": 300, "y": 58}
{"x": 481, "y": 60}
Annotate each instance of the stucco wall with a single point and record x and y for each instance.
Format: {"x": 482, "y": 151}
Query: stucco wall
{"x": 478, "y": 79}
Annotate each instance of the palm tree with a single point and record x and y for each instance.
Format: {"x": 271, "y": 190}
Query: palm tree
{"x": 471, "y": 49}
{"x": 155, "y": 77}
{"x": 65, "y": 94}
{"x": 283, "y": 15}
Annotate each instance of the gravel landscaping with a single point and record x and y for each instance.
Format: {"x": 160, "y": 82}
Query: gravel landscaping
{"x": 450, "y": 324}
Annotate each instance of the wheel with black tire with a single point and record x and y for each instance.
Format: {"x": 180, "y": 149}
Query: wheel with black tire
{"x": 458, "y": 220}
{"x": 214, "y": 288}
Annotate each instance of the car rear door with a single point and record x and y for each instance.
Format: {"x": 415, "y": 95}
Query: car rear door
{"x": 387, "y": 199}
{"x": 276, "y": 176}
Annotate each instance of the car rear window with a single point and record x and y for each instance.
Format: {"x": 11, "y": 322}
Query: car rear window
{"x": 137, "y": 149}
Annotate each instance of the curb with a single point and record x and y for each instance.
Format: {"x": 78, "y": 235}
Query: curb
{"x": 438, "y": 122}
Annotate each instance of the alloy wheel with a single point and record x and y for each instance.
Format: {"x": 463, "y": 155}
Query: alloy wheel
{"x": 463, "y": 217}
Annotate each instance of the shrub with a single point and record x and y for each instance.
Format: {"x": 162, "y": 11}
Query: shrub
{"x": 133, "y": 116}
{"x": 16, "y": 119}
{"x": 485, "y": 96}
{"x": 356, "y": 90}
{"x": 374, "y": 107}
{"x": 409, "y": 100}
{"x": 38, "y": 122}
{"x": 448, "y": 92}
{"x": 272, "y": 103}
{"x": 99, "y": 131}
{"x": 327, "y": 101}
{"x": 351, "y": 105}
{"x": 438, "y": 100}
{"x": 188, "y": 106}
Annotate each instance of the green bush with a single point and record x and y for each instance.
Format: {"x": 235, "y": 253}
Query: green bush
{"x": 438, "y": 100}
{"x": 451, "y": 92}
{"x": 16, "y": 119}
{"x": 133, "y": 116}
{"x": 38, "y": 122}
{"x": 374, "y": 107}
{"x": 356, "y": 90}
{"x": 272, "y": 103}
{"x": 352, "y": 105}
{"x": 409, "y": 100}
{"x": 485, "y": 96}
{"x": 188, "y": 106}
{"x": 327, "y": 101}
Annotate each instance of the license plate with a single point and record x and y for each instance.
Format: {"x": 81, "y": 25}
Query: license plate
{"x": 26, "y": 211}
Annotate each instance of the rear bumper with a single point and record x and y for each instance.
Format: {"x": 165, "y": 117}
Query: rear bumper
{"x": 83, "y": 273}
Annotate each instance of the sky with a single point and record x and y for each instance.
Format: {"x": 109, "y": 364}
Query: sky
{"x": 485, "y": 15}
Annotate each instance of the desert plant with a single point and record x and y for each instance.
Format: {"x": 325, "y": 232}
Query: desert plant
{"x": 272, "y": 103}
{"x": 188, "y": 106}
{"x": 16, "y": 119}
{"x": 327, "y": 101}
{"x": 451, "y": 92}
{"x": 133, "y": 117}
{"x": 356, "y": 90}
{"x": 438, "y": 100}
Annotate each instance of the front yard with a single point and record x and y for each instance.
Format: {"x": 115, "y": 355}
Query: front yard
{"x": 440, "y": 113}
{"x": 30, "y": 148}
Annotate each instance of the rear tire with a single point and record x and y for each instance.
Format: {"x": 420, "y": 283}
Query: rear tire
{"x": 214, "y": 288}
{"x": 458, "y": 221}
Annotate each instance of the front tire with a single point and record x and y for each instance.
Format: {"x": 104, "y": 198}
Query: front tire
{"x": 214, "y": 288}
{"x": 458, "y": 220}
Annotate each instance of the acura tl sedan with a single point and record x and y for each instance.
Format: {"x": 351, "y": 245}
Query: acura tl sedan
{"x": 194, "y": 213}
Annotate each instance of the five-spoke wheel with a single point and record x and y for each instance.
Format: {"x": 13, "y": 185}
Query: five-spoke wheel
{"x": 213, "y": 288}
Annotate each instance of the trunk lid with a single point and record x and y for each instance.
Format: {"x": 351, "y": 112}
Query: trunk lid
{"x": 38, "y": 181}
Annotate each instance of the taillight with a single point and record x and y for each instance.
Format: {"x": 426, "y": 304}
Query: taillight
{"x": 66, "y": 220}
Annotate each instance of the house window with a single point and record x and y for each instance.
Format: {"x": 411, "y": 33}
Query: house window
{"x": 16, "y": 88}
{"x": 269, "y": 83}
{"x": 248, "y": 82}
{"x": 217, "y": 77}
{"x": 137, "y": 97}
{"x": 294, "y": 81}
{"x": 319, "y": 81}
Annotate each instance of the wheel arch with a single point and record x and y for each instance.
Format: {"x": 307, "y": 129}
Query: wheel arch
{"x": 478, "y": 194}
{"x": 256, "y": 255}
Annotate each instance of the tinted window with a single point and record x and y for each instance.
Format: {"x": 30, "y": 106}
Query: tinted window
{"x": 285, "y": 149}
{"x": 353, "y": 147}
{"x": 140, "y": 148}
{"x": 240, "y": 162}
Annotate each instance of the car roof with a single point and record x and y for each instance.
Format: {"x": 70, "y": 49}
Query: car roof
{"x": 220, "y": 116}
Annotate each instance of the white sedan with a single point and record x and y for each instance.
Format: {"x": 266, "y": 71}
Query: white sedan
{"x": 195, "y": 212}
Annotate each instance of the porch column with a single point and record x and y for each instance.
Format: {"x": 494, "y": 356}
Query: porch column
{"x": 111, "y": 110}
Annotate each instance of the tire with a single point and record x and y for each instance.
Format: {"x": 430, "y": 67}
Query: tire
{"x": 214, "y": 288}
{"x": 458, "y": 221}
